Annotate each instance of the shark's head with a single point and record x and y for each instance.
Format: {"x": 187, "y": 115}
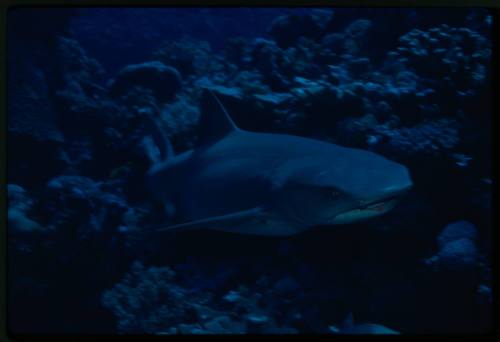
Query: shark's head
{"x": 336, "y": 185}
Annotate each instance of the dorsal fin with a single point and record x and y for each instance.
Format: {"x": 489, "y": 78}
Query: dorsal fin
{"x": 215, "y": 122}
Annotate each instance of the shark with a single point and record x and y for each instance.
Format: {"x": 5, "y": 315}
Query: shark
{"x": 268, "y": 183}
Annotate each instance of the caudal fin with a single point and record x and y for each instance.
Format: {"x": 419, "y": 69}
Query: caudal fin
{"x": 159, "y": 138}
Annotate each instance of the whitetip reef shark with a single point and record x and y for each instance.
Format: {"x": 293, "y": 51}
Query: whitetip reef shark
{"x": 268, "y": 184}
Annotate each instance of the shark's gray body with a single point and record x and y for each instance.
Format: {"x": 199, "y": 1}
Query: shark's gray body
{"x": 272, "y": 184}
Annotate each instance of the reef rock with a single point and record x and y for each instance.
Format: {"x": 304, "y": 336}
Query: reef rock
{"x": 455, "y": 231}
{"x": 164, "y": 81}
{"x": 18, "y": 197}
{"x": 455, "y": 256}
{"x": 23, "y": 231}
{"x": 79, "y": 207}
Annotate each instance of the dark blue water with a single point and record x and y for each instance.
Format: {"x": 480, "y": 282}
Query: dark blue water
{"x": 98, "y": 96}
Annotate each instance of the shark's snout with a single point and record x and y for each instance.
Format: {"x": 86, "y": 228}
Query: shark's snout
{"x": 377, "y": 201}
{"x": 393, "y": 192}
{"x": 398, "y": 190}
{"x": 395, "y": 185}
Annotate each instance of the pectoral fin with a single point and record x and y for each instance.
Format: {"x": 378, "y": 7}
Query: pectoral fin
{"x": 228, "y": 222}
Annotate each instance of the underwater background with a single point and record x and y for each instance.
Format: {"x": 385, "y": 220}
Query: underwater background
{"x": 412, "y": 85}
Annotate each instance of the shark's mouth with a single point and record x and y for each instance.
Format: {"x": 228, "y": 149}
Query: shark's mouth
{"x": 366, "y": 211}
